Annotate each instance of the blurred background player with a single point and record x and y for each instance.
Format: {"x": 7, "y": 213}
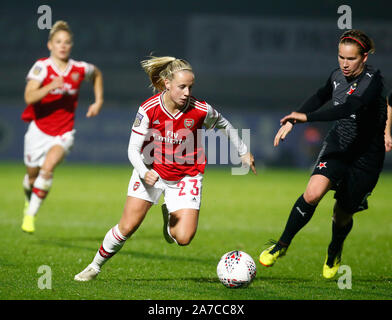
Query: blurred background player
{"x": 51, "y": 95}
{"x": 167, "y": 157}
{"x": 353, "y": 153}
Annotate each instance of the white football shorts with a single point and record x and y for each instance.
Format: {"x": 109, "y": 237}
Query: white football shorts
{"x": 38, "y": 143}
{"x": 182, "y": 194}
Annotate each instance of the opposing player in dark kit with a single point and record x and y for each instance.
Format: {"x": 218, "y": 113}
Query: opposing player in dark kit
{"x": 353, "y": 152}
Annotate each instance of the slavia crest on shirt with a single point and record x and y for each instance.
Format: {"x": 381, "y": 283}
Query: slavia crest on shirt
{"x": 352, "y": 89}
{"x": 188, "y": 123}
{"x": 322, "y": 165}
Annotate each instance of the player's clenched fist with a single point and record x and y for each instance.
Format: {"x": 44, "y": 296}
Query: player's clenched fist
{"x": 57, "y": 82}
{"x": 249, "y": 161}
{"x": 151, "y": 177}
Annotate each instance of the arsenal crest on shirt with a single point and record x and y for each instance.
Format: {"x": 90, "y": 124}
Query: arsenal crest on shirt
{"x": 136, "y": 185}
{"x": 188, "y": 123}
{"x": 75, "y": 76}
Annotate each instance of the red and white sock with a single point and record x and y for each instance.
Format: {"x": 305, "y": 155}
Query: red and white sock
{"x": 112, "y": 243}
{"x": 27, "y": 187}
{"x": 40, "y": 190}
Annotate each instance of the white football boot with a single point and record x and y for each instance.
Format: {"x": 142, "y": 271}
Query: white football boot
{"x": 87, "y": 274}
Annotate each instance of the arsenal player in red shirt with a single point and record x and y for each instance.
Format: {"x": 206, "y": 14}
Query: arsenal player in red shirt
{"x": 167, "y": 156}
{"x": 51, "y": 95}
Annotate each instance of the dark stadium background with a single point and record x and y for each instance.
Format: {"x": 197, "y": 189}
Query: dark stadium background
{"x": 254, "y": 61}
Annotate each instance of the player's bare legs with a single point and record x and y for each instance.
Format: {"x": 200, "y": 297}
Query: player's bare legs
{"x": 32, "y": 173}
{"x": 28, "y": 182}
{"x": 316, "y": 189}
{"x": 183, "y": 225}
{"x": 54, "y": 156}
{"x": 41, "y": 181}
{"x": 135, "y": 210}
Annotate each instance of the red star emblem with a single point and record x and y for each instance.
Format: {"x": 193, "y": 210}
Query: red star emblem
{"x": 349, "y": 92}
{"x": 322, "y": 165}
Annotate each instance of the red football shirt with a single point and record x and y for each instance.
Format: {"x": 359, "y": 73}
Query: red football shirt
{"x": 55, "y": 113}
{"x": 171, "y": 140}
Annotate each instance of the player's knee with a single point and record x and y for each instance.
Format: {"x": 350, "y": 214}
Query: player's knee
{"x": 46, "y": 174}
{"x": 342, "y": 216}
{"x": 183, "y": 242}
{"x": 127, "y": 229}
{"x": 184, "y": 239}
{"x": 313, "y": 196}
{"x": 31, "y": 180}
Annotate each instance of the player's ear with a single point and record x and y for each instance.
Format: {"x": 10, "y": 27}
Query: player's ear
{"x": 49, "y": 44}
{"x": 365, "y": 57}
{"x": 167, "y": 84}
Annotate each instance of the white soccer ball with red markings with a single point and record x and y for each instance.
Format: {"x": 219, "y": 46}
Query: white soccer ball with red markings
{"x": 236, "y": 269}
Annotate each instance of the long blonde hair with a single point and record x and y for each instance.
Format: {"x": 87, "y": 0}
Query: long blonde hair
{"x": 60, "y": 26}
{"x": 160, "y": 68}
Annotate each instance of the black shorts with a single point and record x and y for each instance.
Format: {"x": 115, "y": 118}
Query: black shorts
{"x": 351, "y": 182}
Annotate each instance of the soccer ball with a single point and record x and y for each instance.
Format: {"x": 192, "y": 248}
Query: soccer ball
{"x": 236, "y": 269}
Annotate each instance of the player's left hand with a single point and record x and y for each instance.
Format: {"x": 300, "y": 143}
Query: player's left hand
{"x": 94, "y": 109}
{"x": 249, "y": 161}
{"x": 283, "y": 132}
{"x": 388, "y": 142}
{"x": 295, "y": 117}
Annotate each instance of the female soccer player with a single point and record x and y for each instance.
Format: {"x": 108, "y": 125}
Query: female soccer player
{"x": 167, "y": 157}
{"x": 352, "y": 156}
{"x": 51, "y": 95}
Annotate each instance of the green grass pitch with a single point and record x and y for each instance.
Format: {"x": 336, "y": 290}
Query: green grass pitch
{"x": 237, "y": 213}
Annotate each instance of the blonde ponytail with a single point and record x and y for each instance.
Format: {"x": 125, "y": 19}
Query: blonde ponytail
{"x": 160, "y": 68}
{"x": 60, "y": 26}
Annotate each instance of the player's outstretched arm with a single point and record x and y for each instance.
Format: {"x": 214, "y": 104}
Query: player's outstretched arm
{"x": 95, "y": 108}
{"x": 294, "y": 117}
{"x": 215, "y": 120}
{"x": 283, "y": 132}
